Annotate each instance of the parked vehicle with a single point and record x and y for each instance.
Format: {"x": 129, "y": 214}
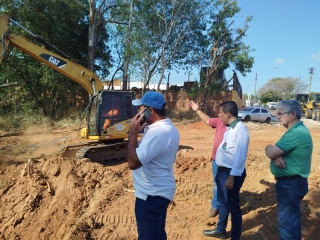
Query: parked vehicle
{"x": 255, "y": 114}
{"x": 273, "y": 106}
{"x": 310, "y": 107}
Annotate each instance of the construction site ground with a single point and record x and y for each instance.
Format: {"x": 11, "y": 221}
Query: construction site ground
{"x": 46, "y": 196}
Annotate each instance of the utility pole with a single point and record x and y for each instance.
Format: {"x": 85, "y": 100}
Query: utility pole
{"x": 311, "y": 71}
{"x": 255, "y": 87}
{"x": 255, "y": 83}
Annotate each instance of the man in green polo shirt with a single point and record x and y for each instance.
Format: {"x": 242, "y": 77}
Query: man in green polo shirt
{"x": 290, "y": 164}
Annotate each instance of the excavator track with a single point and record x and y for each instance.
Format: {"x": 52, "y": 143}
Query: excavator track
{"x": 108, "y": 155}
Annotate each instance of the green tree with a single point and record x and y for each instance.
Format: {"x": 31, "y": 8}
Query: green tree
{"x": 226, "y": 45}
{"x": 268, "y": 97}
{"x": 284, "y": 88}
{"x": 165, "y": 34}
{"x": 99, "y": 15}
{"x": 64, "y": 24}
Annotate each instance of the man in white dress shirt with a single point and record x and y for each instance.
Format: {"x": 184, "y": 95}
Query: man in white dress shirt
{"x": 231, "y": 158}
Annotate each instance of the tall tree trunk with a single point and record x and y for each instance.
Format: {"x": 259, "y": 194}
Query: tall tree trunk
{"x": 206, "y": 91}
{"x": 160, "y": 80}
{"x": 127, "y": 51}
{"x": 205, "y": 96}
{"x": 92, "y": 44}
{"x": 92, "y": 35}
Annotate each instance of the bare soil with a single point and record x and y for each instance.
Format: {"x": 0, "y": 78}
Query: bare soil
{"x": 46, "y": 196}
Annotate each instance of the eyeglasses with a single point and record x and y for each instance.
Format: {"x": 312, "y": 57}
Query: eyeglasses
{"x": 280, "y": 114}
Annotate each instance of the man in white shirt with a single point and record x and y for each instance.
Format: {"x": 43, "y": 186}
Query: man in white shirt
{"x": 151, "y": 160}
{"x": 230, "y": 158}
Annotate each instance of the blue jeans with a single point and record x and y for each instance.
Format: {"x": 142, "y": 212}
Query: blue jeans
{"x": 229, "y": 202}
{"x": 289, "y": 195}
{"x": 151, "y": 217}
{"x": 214, "y": 200}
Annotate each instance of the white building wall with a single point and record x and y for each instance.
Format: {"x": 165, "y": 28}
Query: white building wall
{"x": 151, "y": 86}
{"x": 114, "y": 87}
{"x": 139, "y": 85}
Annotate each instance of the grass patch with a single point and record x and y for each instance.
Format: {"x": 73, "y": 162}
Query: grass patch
{"x": 20, "y": 122}
{"x": 73, "y": 119}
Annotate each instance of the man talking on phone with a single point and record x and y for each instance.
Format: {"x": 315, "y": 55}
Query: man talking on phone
{"x": 151, "y": 161}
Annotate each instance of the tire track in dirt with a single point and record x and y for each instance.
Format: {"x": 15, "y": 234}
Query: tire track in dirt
{"x": 178, "y": 229}
{"x": 114, "y": 221}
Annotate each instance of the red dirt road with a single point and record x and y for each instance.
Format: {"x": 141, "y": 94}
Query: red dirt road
{"x": 50, "y": 197}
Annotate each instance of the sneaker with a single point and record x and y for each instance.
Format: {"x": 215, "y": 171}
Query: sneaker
{"x": 213, "y": 212}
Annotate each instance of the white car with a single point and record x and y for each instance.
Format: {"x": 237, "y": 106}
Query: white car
{"x": 273, "y": 106}
{"x": 255, "y": 114}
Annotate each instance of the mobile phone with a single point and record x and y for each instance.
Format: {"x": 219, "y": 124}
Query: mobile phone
{"x": 147, "y": 114}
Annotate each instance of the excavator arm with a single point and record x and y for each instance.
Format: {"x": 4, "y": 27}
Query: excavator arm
{"x": 83, "y": 76}
{"x": 109, "y": 112}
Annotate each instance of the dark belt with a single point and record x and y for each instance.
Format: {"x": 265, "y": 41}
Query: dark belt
{"x": 295, "y": 177}
{"x": 224, "y": 168}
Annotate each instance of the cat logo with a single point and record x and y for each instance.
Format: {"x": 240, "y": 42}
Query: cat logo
{"x": 53, "y": 60}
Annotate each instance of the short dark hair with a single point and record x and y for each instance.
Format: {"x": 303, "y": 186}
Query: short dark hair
{"x": 230, "y": 107}
{"x": 161, "y": 112}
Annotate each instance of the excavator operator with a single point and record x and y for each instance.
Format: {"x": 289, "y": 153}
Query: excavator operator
{"x": 113, "y": 111}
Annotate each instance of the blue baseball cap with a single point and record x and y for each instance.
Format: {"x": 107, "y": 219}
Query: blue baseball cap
{"x": 150, "y": 99}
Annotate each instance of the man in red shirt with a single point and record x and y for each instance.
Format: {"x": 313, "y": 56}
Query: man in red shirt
{"x": 220, "y": 129}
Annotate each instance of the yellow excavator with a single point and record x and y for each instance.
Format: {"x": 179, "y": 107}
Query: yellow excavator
{"x": 310, "y": 107}
{"x": 109, "y": 112}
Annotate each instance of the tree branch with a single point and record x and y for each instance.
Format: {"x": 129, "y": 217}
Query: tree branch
{"x": 14, "y": 83}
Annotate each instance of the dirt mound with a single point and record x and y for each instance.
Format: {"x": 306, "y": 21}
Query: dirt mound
{"x": 51, "y": 197}
{"x": 58, "y": 198}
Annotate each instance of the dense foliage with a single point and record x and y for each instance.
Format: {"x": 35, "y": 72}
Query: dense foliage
{"x": 164, "y": 35}
{"x": 281, "y": 88}
{"x": 226, "y": 47}
{"x": 64, "y": 24}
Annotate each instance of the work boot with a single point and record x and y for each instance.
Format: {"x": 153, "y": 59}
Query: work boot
{"x": 213, "y": 212}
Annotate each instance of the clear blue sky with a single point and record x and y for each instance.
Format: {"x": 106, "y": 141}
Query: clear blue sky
{"x": 284, "y": 33}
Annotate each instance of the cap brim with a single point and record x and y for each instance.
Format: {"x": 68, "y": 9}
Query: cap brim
{"x": 137, "y": 102}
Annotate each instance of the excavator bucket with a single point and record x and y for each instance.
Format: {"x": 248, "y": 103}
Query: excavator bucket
{"x": 4, "y": 20}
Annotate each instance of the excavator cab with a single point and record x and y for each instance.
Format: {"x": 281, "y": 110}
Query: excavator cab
{"x": 108, "y": 124}
{"x": 109, "y": 115}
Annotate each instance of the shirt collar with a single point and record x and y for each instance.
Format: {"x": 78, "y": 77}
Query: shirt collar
{"x": 234, "y": 123}
{"x": 297, "y": 124}
{"x": 159, "y": 123}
